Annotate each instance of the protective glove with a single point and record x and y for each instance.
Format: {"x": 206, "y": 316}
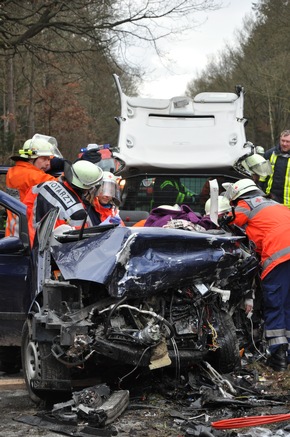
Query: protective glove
{"x": 116, "y": 220}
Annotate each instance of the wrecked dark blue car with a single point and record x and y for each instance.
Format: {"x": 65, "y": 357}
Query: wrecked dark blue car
{"x": 126, "y": 299}
{"x": 85, "y": 301}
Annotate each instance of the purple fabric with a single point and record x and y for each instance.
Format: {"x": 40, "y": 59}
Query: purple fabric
{"x": 161, "y": 216}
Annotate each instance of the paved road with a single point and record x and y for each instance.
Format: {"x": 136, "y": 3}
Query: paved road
{"x": 149, "y": 414}
{"x": 14, "y": 403}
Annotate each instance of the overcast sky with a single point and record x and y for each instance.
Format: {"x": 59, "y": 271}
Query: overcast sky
{"x": 190, "y": 55}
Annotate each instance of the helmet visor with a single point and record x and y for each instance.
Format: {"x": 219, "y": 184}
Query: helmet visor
{"x": 258, "y": 165}
{"x": 39, "y": 139}
{"x": 263, "y": 169}
{"x": 110, "y": 189}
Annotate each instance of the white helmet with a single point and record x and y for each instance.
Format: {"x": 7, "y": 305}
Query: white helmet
{"x": 260, "y": 150}
{"x": 110, "y": 187}
{"x": 241, "y": 187}
{"x": 223, "y": 205}
{"x": 38, "y": 145}
{"x": 83, "y": 174}
{"x": 257, "y": 164}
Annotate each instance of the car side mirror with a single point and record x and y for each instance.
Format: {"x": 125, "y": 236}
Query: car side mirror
{"x": 11, "y": 245}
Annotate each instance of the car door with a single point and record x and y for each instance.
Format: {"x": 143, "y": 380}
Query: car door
{"x": 15, "y": 273}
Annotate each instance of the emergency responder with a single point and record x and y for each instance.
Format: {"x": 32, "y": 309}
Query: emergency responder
{"x": 223, "y": 206}
{"x": 100, "y": 154}
{"x": 31, "y": 164}
{"x": 67, "y": 194}
{"x": 168, "y": 190}
{"x": 90, "y": 153}
{"x": 107, "y": 199}
{"x": 267, "y": 224}
{"x": 277, "y": 185}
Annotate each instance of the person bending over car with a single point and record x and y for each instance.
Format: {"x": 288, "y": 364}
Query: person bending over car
{"x": 31, "y": 164}
{"x": 67, "y": 195}
{"x": 267, "y": 224}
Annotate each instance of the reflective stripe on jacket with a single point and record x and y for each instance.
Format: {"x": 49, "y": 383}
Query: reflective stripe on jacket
{"x": 267, "y": 224}
{"x": 12, "y": 225}
{"x": 180, "y": 196}
{"x": 278, "y": 183}
{"x": 57, "y": 194}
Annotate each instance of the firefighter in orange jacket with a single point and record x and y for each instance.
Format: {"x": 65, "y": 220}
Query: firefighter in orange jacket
{"x": 31, "y": 163}
{"x": 267, "y": 224}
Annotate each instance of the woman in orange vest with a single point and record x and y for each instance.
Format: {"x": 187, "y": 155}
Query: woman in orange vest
{"x": 267, "y": 224}
{"x": 107, "y": 200}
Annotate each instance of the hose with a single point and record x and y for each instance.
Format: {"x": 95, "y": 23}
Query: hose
{"x": 243, "y": 422}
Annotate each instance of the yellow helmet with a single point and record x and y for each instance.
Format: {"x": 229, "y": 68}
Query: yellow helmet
{"x": 83, "y": 174}
{"x": 257, "y": 164}
{"x": 38, "y": 145}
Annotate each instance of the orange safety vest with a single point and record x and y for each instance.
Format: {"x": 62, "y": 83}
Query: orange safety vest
{"x": 267, "y": 224}
{"x": 19, "y": 179}
{"x": 22, "y": 176}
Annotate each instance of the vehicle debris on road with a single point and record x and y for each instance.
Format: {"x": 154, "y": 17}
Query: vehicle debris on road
{"x": 166, "y": 407}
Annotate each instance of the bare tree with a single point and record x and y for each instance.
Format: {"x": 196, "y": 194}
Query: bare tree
{"x": 259, "y": 60}
{"x": 102, "y": 23}
{"x": 64, "y": 51}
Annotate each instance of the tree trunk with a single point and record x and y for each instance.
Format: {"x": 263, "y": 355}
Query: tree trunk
{"x": 10, "y": 128}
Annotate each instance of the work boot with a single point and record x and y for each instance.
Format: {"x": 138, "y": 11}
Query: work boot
{"x": 278, "y": 359}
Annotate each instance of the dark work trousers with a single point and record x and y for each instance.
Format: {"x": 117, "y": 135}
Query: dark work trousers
{"x": 276, "y": 296}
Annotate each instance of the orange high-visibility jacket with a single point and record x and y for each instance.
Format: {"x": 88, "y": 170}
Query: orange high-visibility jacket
{"x": 105, "y": 212}
{"x": 267, "y": 224}
{"x": 24, "y": 175}
{"x": 19, "y": 179}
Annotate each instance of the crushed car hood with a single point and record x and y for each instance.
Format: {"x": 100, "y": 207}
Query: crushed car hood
{"x": 129, "y": 260}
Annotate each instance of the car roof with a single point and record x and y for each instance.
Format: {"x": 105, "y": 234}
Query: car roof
{"x": 179, "y": 134}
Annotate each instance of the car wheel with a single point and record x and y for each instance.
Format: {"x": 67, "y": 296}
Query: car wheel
{"x": 227, "y": 357}
{"x": 40, "y": 366}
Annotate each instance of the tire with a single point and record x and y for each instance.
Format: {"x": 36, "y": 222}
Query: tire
{"x": 227, "y": 357}
{"x": 39, "y": 364}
